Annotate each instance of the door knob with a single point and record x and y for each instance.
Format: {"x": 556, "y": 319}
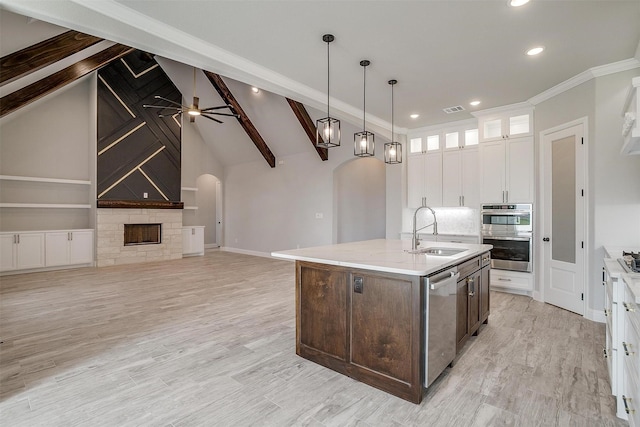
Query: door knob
{"x": 545, "y": 239}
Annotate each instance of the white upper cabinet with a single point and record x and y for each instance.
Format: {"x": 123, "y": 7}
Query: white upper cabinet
{"x": 460, "y": 173}
{"x": 424, "y": 180}
{"x": 505, "y": 122}
{"x": 506, "y": 171}
{"x": 631, "y": 120}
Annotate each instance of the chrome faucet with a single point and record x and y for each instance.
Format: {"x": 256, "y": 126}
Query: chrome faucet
{"x": 414, "y": 240}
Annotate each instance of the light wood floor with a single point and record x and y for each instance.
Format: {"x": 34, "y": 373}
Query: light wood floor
{"x": 209, "y": 341}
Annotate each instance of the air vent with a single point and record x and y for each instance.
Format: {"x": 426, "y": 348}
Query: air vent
{"x": 455, "y": 109}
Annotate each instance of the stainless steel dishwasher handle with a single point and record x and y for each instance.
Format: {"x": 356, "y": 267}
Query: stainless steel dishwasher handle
{"x": 444, "y": 282}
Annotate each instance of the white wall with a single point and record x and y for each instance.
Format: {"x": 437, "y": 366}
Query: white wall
{"x": 206, "y": 203}
{"x": 359, "y": 200}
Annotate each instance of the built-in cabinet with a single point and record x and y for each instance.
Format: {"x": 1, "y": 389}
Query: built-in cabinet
{"x": 621, "y": 348}
{"x": 511, "y": 280}
{"x": 506, "y": 171}
{"x": 21, "y": 251}
{"x": 424, "y": 173}
{"x": 472, "y": 308}
{"x": 631, "y": 120}
{"x": 193, "y": 240}
{"x": 503, "y": 123}
{"x": 39, "y": 249}
{"x": 460, "y": 178}
{"x": 68, "y": 247}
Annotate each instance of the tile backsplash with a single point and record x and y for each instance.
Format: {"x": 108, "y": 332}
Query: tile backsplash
{"x": 463, "y": 221}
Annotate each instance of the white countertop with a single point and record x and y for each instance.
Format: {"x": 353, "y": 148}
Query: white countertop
{"x": 384, "y": 255}
{"x": 615, "y": 269}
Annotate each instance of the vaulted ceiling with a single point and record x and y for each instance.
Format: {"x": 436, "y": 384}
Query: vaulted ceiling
{"x": 443, "y": 53}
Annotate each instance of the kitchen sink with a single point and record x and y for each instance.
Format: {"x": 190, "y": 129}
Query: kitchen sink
{"x": 438, "y": 251}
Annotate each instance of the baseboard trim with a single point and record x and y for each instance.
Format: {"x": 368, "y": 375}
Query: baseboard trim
{"x": 596, "y": 315}
{"x": 245, "y": 252}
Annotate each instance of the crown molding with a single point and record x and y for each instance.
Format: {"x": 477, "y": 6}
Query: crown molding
{"x": 585, "y": 76}
{"x": 503, "y": 108}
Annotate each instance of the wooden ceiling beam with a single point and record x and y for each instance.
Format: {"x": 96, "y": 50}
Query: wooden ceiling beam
{"x": 42, "y": 87}
{"x": 309, "y": 128}
{"x": 244, "y": 120}
{"x": 32, "y": 58}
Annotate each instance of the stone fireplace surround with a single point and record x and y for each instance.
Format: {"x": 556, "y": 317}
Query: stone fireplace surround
{"x": 110, "y": 249}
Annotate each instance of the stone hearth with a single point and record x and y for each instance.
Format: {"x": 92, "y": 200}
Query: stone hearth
{"x": 110, "y": 236}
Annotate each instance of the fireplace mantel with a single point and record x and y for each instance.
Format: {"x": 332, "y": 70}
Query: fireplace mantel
{"x": 139, "y": 204}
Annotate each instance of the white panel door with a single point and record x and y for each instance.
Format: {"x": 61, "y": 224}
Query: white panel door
{"x": 56, "y": 248}
{"x": 415, "y": 180}
{"x": 492, "y": 172}
{"x": 451, "y": 178}
{"x": 81, "y": 247}
{"x": 563, "y": 218}
{"x": 470, "y": 178}
{"x": 519, "y": 170}
{"x": 30, "y": 250}
{"x": 7, "y": 252}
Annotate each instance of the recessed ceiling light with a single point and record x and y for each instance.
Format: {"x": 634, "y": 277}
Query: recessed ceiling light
{"x": 414, "y": 116}
{"x": 474, "y": 103}
{"x": 535, "y": 50}
{"x": 254, "y": 89}
{"x": 517, "y": 3}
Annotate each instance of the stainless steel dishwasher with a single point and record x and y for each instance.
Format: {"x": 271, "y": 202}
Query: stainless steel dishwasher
{"x": 440, "y": 320}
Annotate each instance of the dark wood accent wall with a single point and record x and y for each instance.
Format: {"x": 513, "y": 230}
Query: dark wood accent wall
{"x": 309, "y": 127}
{"x": 49, "y": 84}
{"x": 138, "y": 152}
{"x": 33, "y": 58}
{"x": 244, "y": 120}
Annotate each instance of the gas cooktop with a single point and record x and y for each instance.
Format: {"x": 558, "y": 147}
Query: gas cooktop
{"x": 630, "y": 261}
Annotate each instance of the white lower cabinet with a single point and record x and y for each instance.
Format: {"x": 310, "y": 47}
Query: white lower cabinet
{"x": 631, "y": 354}
{"x": 193, "y": 240}
{"x": 68, "y": 248}
{"x": 511, "y": 280}
{"x": 21, "y": 251}
{"x": 34, "y": 250}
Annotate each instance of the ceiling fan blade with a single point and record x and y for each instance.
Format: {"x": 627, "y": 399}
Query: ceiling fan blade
{"x": 215, "y": 108}
{"x": 168, "y": 100}
{"x": 170, "y": 114}
{"x": 164, "y": 107}
{"x": 221, "y": 114}
{"x": 211, "y": 118}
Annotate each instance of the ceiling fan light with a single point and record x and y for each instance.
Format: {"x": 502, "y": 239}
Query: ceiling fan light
{"x": 193, "y": 112}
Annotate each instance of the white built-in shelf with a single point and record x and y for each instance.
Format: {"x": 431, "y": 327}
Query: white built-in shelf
{"x": 190, "y": 208}
{"x": 189, "y": 189}
{"x": 50, "y": 180}
{"x": 45, "y": 205}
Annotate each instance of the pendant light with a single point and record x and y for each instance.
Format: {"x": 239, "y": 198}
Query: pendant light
{"x": 364, "y": 142}
{"x": 392, "y": 150}
{"x": 328, "y": 128}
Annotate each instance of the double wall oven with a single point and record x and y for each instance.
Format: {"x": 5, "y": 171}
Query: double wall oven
{"x": 509, "y": 229}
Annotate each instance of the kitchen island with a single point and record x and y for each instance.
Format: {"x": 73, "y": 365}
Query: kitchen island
{"x": 363, "y": 308}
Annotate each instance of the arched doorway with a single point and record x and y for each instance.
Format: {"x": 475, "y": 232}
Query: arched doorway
{"x": 359, "y": 200}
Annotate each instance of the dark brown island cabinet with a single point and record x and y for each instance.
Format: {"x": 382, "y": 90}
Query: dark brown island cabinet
{"x": 370, "y": 325}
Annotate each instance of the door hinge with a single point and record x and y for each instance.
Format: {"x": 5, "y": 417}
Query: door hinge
{"x": 582, "y": 244}
{"x": 582, "y": 297}
{"x": 582, "y": 192}
{"x": 582, "y": 141}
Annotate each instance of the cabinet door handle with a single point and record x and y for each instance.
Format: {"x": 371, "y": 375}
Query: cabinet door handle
{"x": 626, "y": 349}
{"x": 627, "y": 307}
{"x": 507, "y": 198}
{"x": 503, "y": 279}
{"x": 503, "y": 200}
{"x": 627, "y": 409}
{"x": 18, "y": 242}
{"x": 603, "y": 275}
{"x": 193, "y": 231}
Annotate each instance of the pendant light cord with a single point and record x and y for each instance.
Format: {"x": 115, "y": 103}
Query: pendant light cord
{"x": 364, "y": 100}
{"x": 392, "y": 113}
{"x": 328, "y": 71}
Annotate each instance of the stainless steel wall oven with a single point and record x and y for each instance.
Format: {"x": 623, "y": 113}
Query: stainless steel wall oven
{"x": 509, "y": 229}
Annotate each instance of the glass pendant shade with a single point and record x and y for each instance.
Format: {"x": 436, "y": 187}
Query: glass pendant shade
{"x": 327, "y": 132}
{"x": 328, "y": 128}
{"x": 392, "y": 150}
{"x": 364, "y": 144}
{"x": 393, "y": 153}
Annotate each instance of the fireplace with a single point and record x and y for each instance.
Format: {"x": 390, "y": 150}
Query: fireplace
{"x": 142, "y": 234}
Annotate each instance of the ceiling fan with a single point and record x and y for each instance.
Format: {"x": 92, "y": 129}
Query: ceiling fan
{"x": 194, "y": 110}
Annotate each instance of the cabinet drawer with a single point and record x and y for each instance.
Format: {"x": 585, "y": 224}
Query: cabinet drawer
{"x": 631, "y": 396}
{"x": 509, "y": 280}
{"x": 630, "y": 309}
{"x": 468, "y": 267}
